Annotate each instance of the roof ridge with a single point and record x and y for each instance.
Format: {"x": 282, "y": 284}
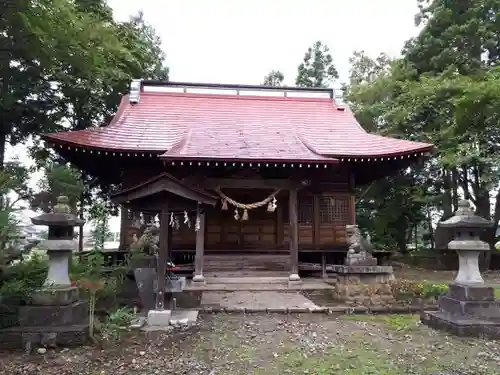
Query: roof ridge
{"x": 238, "y": 97}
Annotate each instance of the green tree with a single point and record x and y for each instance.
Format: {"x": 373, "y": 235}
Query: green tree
{"x": 275, "y": 78}
{"x": 317, "y": 68}
{"x": 13, "y": 189}
{"x": 98, "y": 215}
{"x": 444, "y": 91}
{"x": 390, "y": 208}
{"x": 457, "y": 36}
{"x": 59, "y": 179}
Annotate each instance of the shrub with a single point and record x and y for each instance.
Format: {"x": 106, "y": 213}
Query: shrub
{"x": 408, "y": 289}
{"x": 20, "y": 280}
{"x": 116, "y": 323}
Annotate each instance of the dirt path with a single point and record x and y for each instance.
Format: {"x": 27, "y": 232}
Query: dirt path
{"x": 256, "y": 300}
{"x": 276, "y": 344}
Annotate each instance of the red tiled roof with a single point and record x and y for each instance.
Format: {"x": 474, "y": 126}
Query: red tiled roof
{"x": 231, "y": 127}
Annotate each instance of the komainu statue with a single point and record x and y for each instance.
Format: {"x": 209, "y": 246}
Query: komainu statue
{"x": 147, "y": 242}
{"x": 360, "y": 249}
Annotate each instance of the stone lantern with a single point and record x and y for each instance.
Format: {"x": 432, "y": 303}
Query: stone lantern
{"x": 54, "y": 314}
{"x": 469, "y": 308}
{"x": 467, "y": 228}
{"x": 60, "y": 243}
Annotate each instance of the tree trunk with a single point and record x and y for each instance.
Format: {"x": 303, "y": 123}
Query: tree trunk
{"x": 80, "y": 229}
{"x": 431, "y": 229}
{"x": 454, "y": 188}
{"x": 3, "y": 146}
{"x": 447, "y": 200}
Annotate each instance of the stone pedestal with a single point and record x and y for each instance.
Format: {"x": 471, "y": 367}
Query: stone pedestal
{"x": 364, "y": 285}
{"x": 54, "y": 315}
{"x": 469, "y": 308}
{"x": 362, "y": 258}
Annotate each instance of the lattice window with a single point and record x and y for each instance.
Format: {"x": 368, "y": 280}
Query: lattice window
{"x": 334, "y": 210}
{"x": 304, "y": 210}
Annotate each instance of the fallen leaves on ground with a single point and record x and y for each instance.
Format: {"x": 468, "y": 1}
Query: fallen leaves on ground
{"x": 275, "y": 344}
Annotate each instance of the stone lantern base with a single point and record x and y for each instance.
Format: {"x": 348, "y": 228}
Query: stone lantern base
{"x": 54, "y": 317}
{"x": 467, "y": 310}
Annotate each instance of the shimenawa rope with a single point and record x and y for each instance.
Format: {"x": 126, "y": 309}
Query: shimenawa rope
{"x": 270, "y": 201}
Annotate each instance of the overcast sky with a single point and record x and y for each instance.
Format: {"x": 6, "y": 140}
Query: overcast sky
{"x": 223, "y": 41}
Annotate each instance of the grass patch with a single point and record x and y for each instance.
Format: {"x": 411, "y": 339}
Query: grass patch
{"x": 346, "y": 360}
{"x": 497, "y": 291}
{"x": 404, "y": 323}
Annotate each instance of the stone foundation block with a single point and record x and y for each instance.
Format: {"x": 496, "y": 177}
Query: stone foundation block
{"x": 159, "y": 318}
{"x": 471, "y": 292}
{"x": 55, "y": 296}
{"x": 478, "y": 309}
{"x": 28, "y": 338}
{"x": 76, "y": 313}
{"x": 360, "y": 294}
{"x": 464, "y": 327}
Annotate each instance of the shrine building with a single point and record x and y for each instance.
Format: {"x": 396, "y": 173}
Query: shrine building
{"x": 249, "y": 179}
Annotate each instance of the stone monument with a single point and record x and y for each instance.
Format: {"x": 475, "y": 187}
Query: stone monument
{"x": 469, "y": 308}
{"x": 54, "y": 314}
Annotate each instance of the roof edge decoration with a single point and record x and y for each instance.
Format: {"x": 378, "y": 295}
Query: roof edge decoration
{"x": 223, "y": 124}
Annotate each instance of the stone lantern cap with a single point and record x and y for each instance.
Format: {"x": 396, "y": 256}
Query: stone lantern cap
{"x": 466, "y": 218}
{"x": 60, "y": 217}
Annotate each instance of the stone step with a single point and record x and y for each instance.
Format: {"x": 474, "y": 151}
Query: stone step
{"x": 251, "y": 285}
{"x": 247, "y": 280}
{"x": 245, "y": 273}
{"x": 262, "y": 262}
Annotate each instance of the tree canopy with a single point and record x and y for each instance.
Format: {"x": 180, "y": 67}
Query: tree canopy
{"x": 443, "y": 90}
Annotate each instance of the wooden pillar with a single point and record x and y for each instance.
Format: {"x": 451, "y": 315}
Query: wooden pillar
{"x": 123, "y": 227}
{"x": 352, "y": 199}
{"x": 170, "y": 254}
{"x": 200, "y": 250}
{"x": 294, "y": 236}
{"x": 279, "y": 227}
{"x": 316, "y": 222}
{"x": 324, "y": 273}
{"x": 161, "y": 269}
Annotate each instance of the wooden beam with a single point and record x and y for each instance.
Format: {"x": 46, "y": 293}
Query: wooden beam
{"x": 161, "y": 270}
{"x": 229, "y": 183}
{"x": 294, "y": 236}
{"x": 200, "y": 250}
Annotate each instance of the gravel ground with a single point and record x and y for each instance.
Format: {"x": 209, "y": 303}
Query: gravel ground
{"x": 275, "y": 344}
